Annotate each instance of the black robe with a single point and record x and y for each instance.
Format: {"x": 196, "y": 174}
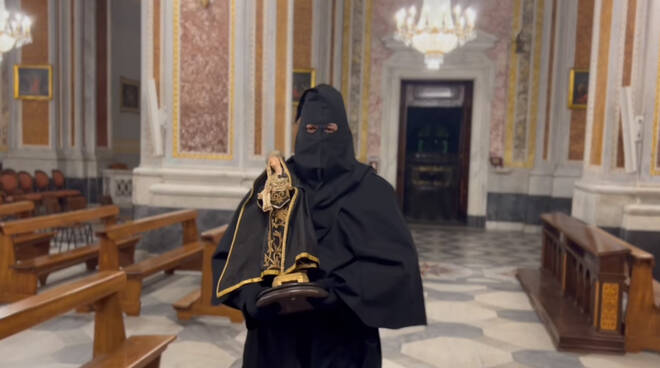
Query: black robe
{"x": 367, "y": 258}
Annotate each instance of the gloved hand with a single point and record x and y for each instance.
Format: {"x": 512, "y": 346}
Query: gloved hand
{"x": 331, "y": 300}
{"x": 248, "y": 295}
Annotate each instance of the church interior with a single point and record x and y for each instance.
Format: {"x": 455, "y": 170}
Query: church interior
{"x": 522, "y": 142}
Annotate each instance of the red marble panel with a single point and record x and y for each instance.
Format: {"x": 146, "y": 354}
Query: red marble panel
{"x": 36, "y": 114}
{"x": 204, "y": 77}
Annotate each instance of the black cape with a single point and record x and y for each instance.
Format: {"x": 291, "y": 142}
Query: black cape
{"x": 367, "y": 258}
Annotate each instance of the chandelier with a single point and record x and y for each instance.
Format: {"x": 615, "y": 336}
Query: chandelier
{"x": 14, "y": 29}
{"x": 438, "y": 31}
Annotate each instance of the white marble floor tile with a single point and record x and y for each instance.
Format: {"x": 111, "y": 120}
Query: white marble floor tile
{"x": 193, "y": 354}
{"x": 453, "y": 287}
{"x": 505, "y": 300}
{"x": 464, "y": 312}
{"x": 639, "y": 360}
{"x": 531, "y": 336}
{"x": 456, "y": 352}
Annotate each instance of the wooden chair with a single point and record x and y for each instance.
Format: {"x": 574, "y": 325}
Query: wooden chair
{"x": 12, "y": 192}
{"x": 58, "y": 179}
{"x": 42, "y": 181}
{"x": 111, "y": 347}
{"x": 198, "y": 302}
{"x": 189, "y": 252}
{"x": 18, "y": 277}
{"x": 25, "y": 182}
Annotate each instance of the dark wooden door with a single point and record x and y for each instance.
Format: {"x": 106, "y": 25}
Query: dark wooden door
{"x": 432, "y": 181}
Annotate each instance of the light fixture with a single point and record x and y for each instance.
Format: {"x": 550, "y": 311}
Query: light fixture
{"x": 14, "y": 29}
{"x": 438, "y": 31}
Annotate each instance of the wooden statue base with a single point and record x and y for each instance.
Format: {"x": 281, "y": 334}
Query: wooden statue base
{"x": 292, "y": 297}
{"x": 569, "y": 328}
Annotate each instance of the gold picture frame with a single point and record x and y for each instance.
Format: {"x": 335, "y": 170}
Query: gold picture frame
{"x": 302, "y": 80}
{"x": 129, "y": 95}
{"x": 33, "y": 82}
{"x": 578, "y": 89}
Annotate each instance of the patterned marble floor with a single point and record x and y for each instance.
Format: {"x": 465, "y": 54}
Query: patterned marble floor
{"x": 478, "y": 316}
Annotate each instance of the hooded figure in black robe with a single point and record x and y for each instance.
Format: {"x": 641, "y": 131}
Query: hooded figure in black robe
{"x": 366, "y": 257}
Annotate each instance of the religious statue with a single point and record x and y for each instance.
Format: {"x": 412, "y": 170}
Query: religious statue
{"x": 274, "y": 243}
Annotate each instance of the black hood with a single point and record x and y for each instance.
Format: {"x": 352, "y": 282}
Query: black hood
{"x": 320, "y": 156}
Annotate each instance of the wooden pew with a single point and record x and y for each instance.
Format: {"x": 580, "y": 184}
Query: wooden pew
{"x": 642, "y": 315}
{"x": 577, "y": 292}
{"x": 27, "y": 245}
{"x": 19, "y": 209}
{"x": 18, "y": 277}
{"x": 565, "y": 296}
{"x": 198, "y": 302}
{"x": 111, "y": 347}
{"x": 190, "y": 251}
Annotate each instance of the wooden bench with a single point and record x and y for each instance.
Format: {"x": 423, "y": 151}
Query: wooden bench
{"x": 19, "y": 276}
{"x": 577, "y": 292}
{"x": 642, "y": 314}
{"x": 586, "y": 275}
{"x": 111, "y": 347}
{"x": 198, "y": 302}
{"x": 17, "y": 209}
{"x": 190, "y": 251}
{"x": 28, "y": 245}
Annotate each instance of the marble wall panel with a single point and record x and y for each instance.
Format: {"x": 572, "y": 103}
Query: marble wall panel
{"x": 655, "y": 159}
{"x": 302, "y": 33}
{"x": 258, "y": 76}
{"x": 581, "y": 61}
{"x": 521, "y": 101}
{"x": 355, "y": 76}
{"x": 5, "y": 93}
{"x": 493, "y": 17}
{"x": 36, "y": 114}
{"x": 602, "y": 76}
{"x": 548, "y": 101}
{"x": 204, "y": 82}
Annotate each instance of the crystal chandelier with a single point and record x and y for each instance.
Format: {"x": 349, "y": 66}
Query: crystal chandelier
{"x": 438, "y": 30}
{"x": 14, "y": 29}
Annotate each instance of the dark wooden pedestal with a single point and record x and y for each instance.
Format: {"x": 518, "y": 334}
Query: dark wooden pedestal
{"x": 567, "y": 326}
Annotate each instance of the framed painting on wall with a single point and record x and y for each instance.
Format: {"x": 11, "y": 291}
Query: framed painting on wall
{"x": 33, "y": 82}
{"x": 578, "y": 89}
{"x": 302, "y": 80}
{"x": 129, "y": 95}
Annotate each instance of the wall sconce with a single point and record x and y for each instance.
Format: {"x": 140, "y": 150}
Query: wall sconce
{"x": 205, "y": 3}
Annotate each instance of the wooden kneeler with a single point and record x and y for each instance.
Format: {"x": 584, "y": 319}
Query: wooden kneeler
{"x": 198, "y": 302}
{"x": 111, "y": 347}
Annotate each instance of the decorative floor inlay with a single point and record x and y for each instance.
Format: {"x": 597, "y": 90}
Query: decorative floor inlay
{"x": 478, "y": 316}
